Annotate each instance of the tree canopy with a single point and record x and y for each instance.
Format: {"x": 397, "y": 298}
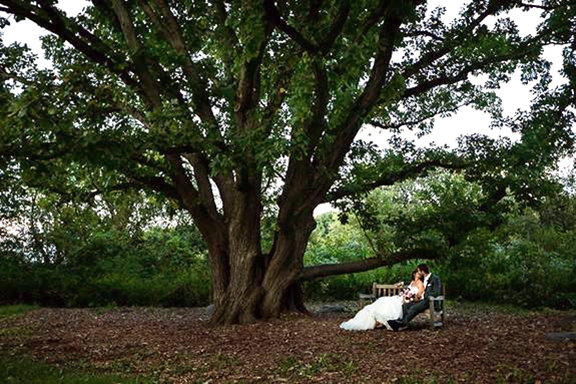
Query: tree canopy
{"x": 236, "y": 110}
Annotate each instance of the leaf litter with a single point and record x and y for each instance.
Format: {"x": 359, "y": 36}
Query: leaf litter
{"x": 177, "y": 345}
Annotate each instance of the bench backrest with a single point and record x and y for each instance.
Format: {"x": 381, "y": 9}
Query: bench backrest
{"x": 379, "y": 290}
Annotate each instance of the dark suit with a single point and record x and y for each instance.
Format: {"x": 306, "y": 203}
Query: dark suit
{"x": 410, "y": 310}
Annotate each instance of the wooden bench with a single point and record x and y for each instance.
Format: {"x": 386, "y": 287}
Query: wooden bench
{"x": 378, "y": 290}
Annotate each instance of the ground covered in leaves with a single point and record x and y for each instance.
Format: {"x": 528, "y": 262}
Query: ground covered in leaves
{"x": 479, "y": 344}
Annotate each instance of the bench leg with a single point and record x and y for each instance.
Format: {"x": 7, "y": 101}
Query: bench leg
{"x": 431, "y": 309}
{"x": 433, "y": 314}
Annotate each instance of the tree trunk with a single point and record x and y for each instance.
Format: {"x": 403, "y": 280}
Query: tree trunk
{"x": 248, "y": 298}
{"x": 261, "y": 287}
{"x": 238, "y": 299}
{"x": 281, "y": 281}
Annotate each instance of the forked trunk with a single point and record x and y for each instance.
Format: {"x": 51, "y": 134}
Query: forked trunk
{"x": 246, "y": 306}
{"x": 262, "y": 287}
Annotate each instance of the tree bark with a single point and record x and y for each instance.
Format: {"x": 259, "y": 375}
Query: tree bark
{"x": 281, "y": 280}
{"x": 251, "y": 286}
{"x": 261, "y": 287}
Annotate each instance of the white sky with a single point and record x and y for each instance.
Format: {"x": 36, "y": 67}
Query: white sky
{"x": 514, "y": 94}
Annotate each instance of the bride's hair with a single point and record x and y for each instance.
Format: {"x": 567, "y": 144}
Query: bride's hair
{"x": 423, "y": 268}
{"x": 414, "y": 273}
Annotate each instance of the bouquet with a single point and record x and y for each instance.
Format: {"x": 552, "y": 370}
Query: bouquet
{"x": 407, "y": 295}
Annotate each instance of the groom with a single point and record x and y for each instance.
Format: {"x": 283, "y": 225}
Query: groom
{"x": 433, "y": 287}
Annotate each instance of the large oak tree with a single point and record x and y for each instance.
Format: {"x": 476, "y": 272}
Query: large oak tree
{"x": 234, "y": 109}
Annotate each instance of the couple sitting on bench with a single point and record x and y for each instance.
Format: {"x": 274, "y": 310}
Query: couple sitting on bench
{"x": 395, "y": 312}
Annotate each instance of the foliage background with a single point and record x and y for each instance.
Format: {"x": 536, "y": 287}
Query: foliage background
{"x": 528, "y": 260}
{"x": 157, "y": 267}
{"x": 80, "y": 257}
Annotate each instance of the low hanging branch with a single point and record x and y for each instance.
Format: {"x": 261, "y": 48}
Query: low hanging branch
{"x": 324, "y": 270}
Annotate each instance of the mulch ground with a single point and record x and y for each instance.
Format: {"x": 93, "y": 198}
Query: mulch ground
{"x": 178, "y": 346}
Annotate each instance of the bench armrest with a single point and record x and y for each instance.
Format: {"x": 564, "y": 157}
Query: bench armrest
{"x": 437, "y": 298}
{"x": 366, "y": 296}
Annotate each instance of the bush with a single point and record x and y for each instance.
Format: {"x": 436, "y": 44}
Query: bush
{"x": 161, "y": 268}
{"x": 529, "y": 271}
{"x": 525, "y": 263}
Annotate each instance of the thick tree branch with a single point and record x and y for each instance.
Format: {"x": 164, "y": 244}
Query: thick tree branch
{"x": 369, "y": 97}
{"x": 317, "y": 123}
{"x": 424, "y": 117}
{"x": 537, "y": 6}
{"x": 171, "y": 31}
{"x": 456, "y": 36}
{"x": 147, "y": 78}
{"x": 375, "y": 16}
{"x": 227, "y": 36}
{"x": 318, "y": 271}
{"x": 137, "y": 54}
{"x": 462, "y": 75}
{"x": 190, "y": 196}
{"x": 201, "y": 174}
{"x": 301, "y": 175}
{"x": 5, "y": 75}
{"x": 423, "y": 33}
{"x": 208, "y": 221}
{"x": 314, "y": 11}
{"x": 224, "y": 179}
{"x": 43, "y": 151}
{"x": 278, "y": 96}
{"x": 52, "y": 20}
{"x": 337, "y": 27}
{"x": 274, "y": 15}
{"x": 451, "y": 39}
{"x": 232, "y": 40}
{"x": 248, "y": 85}
{"x": 157, "y": 184}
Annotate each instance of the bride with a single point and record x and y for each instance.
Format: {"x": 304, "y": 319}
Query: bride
{"x": 386, "y": 307}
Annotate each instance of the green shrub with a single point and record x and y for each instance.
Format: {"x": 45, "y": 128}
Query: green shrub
{"x": 524, "y": 263}
{"x": 530, "y": 271}
{"x": 12, "y": 310}
{"x": 153, "y": 269}
{"x": 22, "y": 370}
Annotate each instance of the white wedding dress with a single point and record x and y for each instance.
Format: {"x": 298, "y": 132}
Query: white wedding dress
{"x": 384, "y": 309}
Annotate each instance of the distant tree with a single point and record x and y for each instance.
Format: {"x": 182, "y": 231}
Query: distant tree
{"x": 236, "y": 109}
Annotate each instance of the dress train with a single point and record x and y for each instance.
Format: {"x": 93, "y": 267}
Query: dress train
{"x": 384, "y": 309}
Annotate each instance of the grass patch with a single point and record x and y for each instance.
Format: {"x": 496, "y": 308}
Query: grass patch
{"x": 21, "y": 370}
{"x": 221, "y": 360}
{"x": 507, "y": 374}
{"x": 7, "y": 311}
{"x": 468, "y": 307}
{"x": 103, "y": 310}
{"x": 415, "y": 379}
{"x": 292, "y": 367}
{"x": 13, "y": 310}
{"x": 15, "y": 331}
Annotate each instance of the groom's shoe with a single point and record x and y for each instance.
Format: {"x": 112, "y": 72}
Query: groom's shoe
{"x": 394, "y": 324}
